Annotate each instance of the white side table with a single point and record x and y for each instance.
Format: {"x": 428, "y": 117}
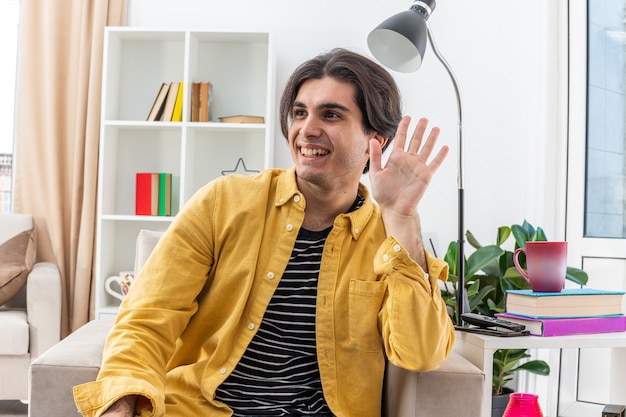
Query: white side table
{"x": 479, "y": 350}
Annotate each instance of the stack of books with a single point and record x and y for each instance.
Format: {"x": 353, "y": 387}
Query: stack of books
{"x": 168, "y": 104}
{"x": 153, "y": 194}
{"x": 201, "y": 102}
{"x": 571, "y": 311}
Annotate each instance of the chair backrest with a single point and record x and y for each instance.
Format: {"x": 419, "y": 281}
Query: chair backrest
{"x": 146, "y": 241}
{"x": 13, "y": 223}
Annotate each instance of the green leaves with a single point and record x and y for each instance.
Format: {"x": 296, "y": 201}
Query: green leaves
{"x": 481, "y": 258}
{"x": 576, "y": 275}
{"x": 505, "y": 363}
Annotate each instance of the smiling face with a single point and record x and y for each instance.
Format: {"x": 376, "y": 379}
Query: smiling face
{"x": 326, "y": 137}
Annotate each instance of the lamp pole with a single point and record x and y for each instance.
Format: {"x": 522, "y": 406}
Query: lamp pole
{"x": 461, "y": 297}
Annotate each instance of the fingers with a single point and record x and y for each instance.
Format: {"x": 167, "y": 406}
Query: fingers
{"x": 375, "y": 156}
{"x": 438, "y": 159}
{"x": 400, "y": 139}
{"x": 428, "y": 147}
{"x": 416, "y": 144}
{"x": 418, "y": 134}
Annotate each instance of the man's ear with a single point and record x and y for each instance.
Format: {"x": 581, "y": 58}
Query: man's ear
{"x": 382, "y": 140}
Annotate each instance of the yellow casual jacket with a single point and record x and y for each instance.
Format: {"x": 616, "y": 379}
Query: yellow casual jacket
{"x": 202, "y": 294}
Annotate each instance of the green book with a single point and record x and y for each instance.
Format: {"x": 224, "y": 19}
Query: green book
{"x": 165, "y": 194}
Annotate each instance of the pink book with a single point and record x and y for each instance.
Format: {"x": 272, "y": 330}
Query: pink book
{"x": 568, "y": 326}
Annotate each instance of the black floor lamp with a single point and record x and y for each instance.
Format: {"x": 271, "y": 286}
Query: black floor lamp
{"x": 399, "y": 43}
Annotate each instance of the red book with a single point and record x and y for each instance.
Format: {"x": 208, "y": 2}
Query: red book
{"x": 568, "y": 326}
{"x": 147, "y": 194}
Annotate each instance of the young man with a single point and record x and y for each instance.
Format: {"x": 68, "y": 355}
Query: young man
{"x": 283, "y": 293}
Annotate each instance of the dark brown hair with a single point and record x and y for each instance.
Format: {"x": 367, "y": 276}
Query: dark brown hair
{"x": 376, "y": 92}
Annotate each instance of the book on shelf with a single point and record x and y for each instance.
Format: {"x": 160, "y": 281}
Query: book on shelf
{"x": 563, "y": 326}
{"x": 195, "y": 102}
{"x": 147, "y": 194}
{"x": 157, "y": 106}
{"x": 165, "y": 194}
{"x": 206, "y": 102}
{"x": 170, "y": 101}
{"x": 153, "y": 194}
{"x": 177, "y": 113}
{"x": 241, "y": 118}
{"x": 570, "y": 302}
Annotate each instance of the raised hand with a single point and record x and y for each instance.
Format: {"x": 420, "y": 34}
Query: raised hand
{"x": 399, "y": 186}
{"x": 402, "y": 182}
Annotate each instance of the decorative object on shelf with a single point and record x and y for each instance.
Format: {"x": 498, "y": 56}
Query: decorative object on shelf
{"x": 522, "y": 404}
{"x": 400, "y": 43}
{"x": 242, "y": 118}
{"x": 240, "y": 168}
{"x": 119, "y": 285}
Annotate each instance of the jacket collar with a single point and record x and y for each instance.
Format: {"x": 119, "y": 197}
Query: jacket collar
{"x": 287, "y": 189}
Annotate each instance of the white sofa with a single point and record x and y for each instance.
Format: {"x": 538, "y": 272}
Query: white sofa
{"x": 30, "y": 322}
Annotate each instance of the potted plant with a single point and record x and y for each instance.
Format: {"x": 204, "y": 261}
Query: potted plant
{"x": 489, "y": 273}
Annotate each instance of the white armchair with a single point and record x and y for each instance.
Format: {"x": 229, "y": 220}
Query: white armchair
{"x": 30, "y": 321}
{"x": 77, "y": 358}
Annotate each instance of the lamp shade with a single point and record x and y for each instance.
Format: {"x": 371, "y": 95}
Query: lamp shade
{"x": 399, "y": 42}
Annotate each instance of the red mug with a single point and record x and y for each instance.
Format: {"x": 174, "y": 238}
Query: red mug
{"x": 546, "y": 263}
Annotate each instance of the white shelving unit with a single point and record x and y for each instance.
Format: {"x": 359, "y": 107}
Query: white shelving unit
{"x": 240, "y": 65}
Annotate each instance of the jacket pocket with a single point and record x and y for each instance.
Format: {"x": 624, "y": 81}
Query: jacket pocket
{"x": 365, "y": 302}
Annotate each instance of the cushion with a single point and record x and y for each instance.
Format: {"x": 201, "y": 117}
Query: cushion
{"x": 146, "y": 241}
{"x": 17, "y": 257}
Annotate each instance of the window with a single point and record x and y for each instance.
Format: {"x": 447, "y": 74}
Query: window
{"x": 9, "y": 18}
{"x": 605, "y": 211}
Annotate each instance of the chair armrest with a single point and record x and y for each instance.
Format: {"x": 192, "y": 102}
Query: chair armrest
{"x": 73, "y": 361}
{"x": 43, "y": 307}
{"x": 454, "y": 389}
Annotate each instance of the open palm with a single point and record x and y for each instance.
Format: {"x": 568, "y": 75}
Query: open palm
{"x": 402, "y": 182}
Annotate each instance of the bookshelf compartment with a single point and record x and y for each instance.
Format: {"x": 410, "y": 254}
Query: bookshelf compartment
{"x": 234, "y": 65}
{"x": 238, "y": 147}
{"x": 116, "y": 237}
{"x": 130, "y": 150}
{"x": 143, "y": 61}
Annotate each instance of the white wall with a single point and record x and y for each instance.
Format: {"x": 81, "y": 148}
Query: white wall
{"x": 504, "y": 54}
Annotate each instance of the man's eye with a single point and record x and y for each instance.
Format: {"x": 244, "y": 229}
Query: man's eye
{"x": 332, "y": 115}
{"x": 298, "y": 112}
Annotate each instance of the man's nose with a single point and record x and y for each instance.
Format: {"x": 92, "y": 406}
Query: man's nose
{"x": 311, "y": 127}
